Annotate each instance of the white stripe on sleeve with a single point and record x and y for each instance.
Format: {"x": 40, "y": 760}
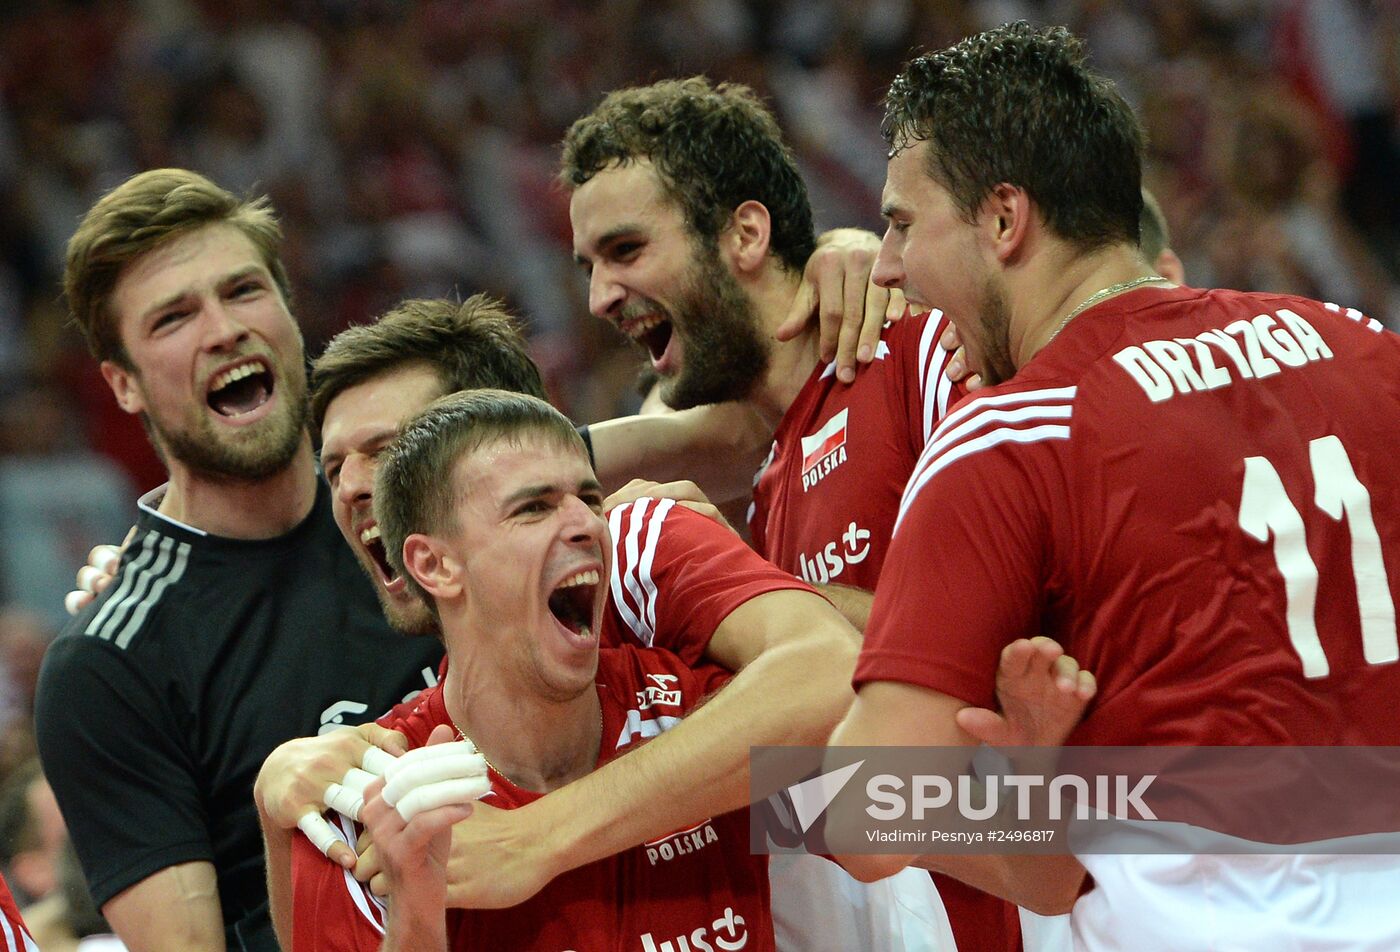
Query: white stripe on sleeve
{"x": 984, "y": 424}
{"x": 934, "y": 385}
{"x": 658, "y": 516}
{"x": 624, "y": 559}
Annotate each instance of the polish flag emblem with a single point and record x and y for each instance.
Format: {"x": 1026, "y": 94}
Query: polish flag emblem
{"x": 821, "y": 444}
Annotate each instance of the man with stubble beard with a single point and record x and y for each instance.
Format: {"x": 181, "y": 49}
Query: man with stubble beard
{"x": 238, "y": 620}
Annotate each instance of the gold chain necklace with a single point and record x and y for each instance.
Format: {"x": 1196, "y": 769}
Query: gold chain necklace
{"x": 1099, "y": 295}
{"x": 462, "y": 735}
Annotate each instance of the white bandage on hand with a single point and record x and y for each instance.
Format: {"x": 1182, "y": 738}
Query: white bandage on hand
{"x": 357, "y": 779}
{"x": 348, "y": 796}
{"x": 87, "y": 578}
{"x": 321, "y": 834}
{"x": 420, "y": 755}
{"x": 376, "y": 761}
{"x": 430, "y": 777}
{"x": 441, "y": 794}
{"x": 436, "y": 770}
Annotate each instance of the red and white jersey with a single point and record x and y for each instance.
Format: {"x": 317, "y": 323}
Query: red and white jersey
{"x": 692, "y": 888}
{"x": 676, "y": 575}
{"x": 824, "y": 502}
{"x": 1194, "y": 492}
{"x": 14, "y": 937}
{"x": 824, "y": 507}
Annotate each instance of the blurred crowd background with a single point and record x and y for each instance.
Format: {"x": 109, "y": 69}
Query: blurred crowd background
{"x": 410, "y": 147}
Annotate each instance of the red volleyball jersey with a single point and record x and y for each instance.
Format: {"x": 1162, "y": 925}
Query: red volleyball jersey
{"x": 824, "y": 502}
{"x": 694, "y": 887}
{"x": 676, "y": 575}
{"x": 1194, "y": 492}
{"x": 14, "y": 937}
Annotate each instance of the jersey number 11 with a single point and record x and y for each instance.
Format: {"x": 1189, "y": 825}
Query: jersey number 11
{"x": 1265, "y": 510}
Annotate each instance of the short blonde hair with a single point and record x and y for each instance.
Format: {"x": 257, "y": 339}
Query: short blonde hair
{"x": 144, "y": 212}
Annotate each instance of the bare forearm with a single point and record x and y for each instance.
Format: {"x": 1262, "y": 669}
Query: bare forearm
{"x": 416, "y": 922}
{"x": 892, "y": 714}
{"x": 853, "y": 603}
{"x": 277, "y": 850}
{"x": 1047, "y": 885}
{"x": 176, "y": 909}
{"x": 717, "y": 447}
{"x": 792, "y": 695}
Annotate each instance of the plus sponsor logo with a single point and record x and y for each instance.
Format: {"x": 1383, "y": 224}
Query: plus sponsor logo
{"x": 851, "y": 549}
{"x": 681, "y": 843}
{"x": 823, "y": 451}
{"x": 728, "y": 933}
{"x": 659, "y": 692}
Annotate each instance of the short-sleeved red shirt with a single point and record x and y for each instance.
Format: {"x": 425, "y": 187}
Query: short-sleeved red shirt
{"x": 692, "y": 885}
{"x": 825, "y": 501}
{"x": 14, "y": 937}
{"x": 1195, "y": 492}
{"x": 676, "y": 575}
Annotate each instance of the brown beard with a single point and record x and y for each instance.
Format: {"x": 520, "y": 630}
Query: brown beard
{"x": 994, "y": 336}
{"x": 725, "y": 353}
{"x": 270, "y": 452}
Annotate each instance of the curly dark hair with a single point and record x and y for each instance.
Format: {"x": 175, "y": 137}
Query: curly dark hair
{"x": 714, "y": 147}
{"x": 1017, "y": 104}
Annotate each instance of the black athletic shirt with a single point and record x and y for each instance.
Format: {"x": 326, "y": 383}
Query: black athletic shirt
{"x": 159, "y": 703}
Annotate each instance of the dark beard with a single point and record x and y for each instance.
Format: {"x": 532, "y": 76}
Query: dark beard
{"x": 725, "y": 354}
{"x": 994, "y": 328}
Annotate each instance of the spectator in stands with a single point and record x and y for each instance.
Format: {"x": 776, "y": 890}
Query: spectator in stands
{"x": 32, "y": 834}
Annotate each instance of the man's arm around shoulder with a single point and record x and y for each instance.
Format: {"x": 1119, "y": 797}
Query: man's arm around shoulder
{"x": 794, "y": 655}
{"x": 892, "y": 714}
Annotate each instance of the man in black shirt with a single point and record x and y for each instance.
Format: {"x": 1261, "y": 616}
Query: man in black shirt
{"x": 238, "y": 619}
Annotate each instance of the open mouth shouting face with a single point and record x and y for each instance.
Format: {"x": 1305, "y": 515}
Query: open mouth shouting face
{"x": 669, "y": 293}
{"x": 373, "y": 556}
{"x": 358, "y": 424}
{"x": 651, "y": 327}
{"x": 242, "y": 389}
{"x": 534, "y": 551}
{"x": 215, "y": 359}
{"x": 575, "y": 602}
